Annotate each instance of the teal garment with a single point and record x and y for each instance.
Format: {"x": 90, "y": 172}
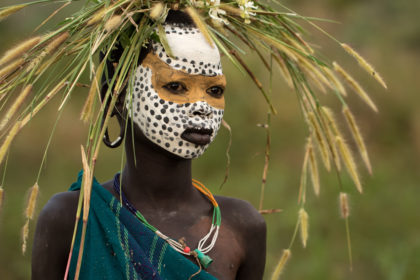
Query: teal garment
{"x": 119, "y": 246}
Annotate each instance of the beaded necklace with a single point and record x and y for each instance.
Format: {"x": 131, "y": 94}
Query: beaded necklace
{"x": 204, "y": 245}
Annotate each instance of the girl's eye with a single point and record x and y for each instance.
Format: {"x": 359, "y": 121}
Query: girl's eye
{"x": 215, "y": 91}
{"x": 175, "y": 87}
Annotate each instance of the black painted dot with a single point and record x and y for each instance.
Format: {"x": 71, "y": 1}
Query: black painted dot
{"x": 152, "y": 112}
{"x": 184, "y": 60}
{"x": 155, "y": 124}
{"x": 156, "y": 104}
{"x": 158, "y": 117}
{"x": 168, "y": 60}
{"x": 172, "y": 110}
{"x": 179, "y": 150}
{"x": 180, "y": 143}
{"x": 176, "y": 133}
{"x": 161, "y": 101}
{"x": 146, "y": 107}
{"x": 167, "y": 145}
{"x": 166, "y": 120}
{"x": 170, "y": 129}
{"x": 163, "y": 111}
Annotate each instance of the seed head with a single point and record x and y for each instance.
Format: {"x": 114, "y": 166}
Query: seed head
{"x": 344, "y": 206}
{"x": 19, "y": 50}
{"x": 113, "y": 23}
{"x": 355, "y": 86}
{"x": 349, "y": 162}
{"x": 304, "y": 225}
{"x": 364, "y": 64}
{"x": 33, "y": 197}
{"x": 280, "y": 266}
{"x": 351, "y": 121}
{"x": 25, "y": 234}
{"x": 156, "y": 11}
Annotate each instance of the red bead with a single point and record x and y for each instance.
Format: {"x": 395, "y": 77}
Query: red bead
{"x": 187, "y": 249}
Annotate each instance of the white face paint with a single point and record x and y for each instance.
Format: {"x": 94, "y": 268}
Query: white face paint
{"x": 184, "y": 128}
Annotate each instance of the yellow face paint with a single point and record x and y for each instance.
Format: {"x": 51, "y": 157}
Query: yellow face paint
{"x": 180, "y": 87}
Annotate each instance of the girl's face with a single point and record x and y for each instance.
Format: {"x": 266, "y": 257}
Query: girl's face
{"x": 178, "y": 101}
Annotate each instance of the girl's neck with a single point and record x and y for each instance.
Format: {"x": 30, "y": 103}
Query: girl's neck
{"x": 155, "y": 175}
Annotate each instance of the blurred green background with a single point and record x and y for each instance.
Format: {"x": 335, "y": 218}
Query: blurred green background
{"x": 385, "y": 220}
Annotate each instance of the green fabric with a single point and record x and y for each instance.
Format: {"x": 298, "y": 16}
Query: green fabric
{"x": 119, "y": 246}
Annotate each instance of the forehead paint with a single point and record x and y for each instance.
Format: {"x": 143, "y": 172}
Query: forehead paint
{"x": 192, "y": 53}
{"x": 163, "y": 116}
{"x": 197, "y": 85}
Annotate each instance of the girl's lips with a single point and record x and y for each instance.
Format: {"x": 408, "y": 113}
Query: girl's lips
{"x": 199, "y": 136}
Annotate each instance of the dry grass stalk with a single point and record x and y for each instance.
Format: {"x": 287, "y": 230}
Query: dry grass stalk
{"x": 307, "y": 46}
{"x": 320, "y": 139}
{"x": 344, "y": 206}
{"x": 25, "y": 234}
{"x": 33, "y": 196}
{"x": 303, "y": 176}
{"x": 284, "y": 71}
{"x": 231, "y": 10}
{"x": 12, "y": 67}
{"x": 1, "y": 196}
{"x": 330, "y": 128}
{"x": 200, "y": 25}
{"x": 9, "y": 138}
{"x": 281, "y": 264}
{"x": 19, "y": 50}
{"x": 87, "y": 110}
{"x": 87, "y": 185}
{"x": 266, "y": 162}
{"x": 157, "y": 10}
{"x": 113, "y": 23}
{"x": 364, "y": 64}
{"x": 9, "y": 11}
{"x": 295, "y": 44}
{"x": 269, "y": 211}
{"x": 15, "y": 106}
{"x": 49, "y": 49}
{"x": 255, "y": 80}
{"x": 41, "y": 104}
{"x": 335, "y": 82}
{"x": 357, "y": 137}
{"x": 355, "y": 86}
{"x": 318, "y": 76}
{"x": 97, "y": 17}
{"x": 331, "y": 120}
{"x": 349, "y": 162}
{"x": 281, "y": 47}
{"x": 303, "y": 226}
{"x": 313, "y": 167}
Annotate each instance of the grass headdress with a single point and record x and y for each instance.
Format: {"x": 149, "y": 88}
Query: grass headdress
{"x": 235, "y": 27}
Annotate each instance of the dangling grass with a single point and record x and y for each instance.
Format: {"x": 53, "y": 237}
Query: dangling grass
{"x": 68, "y": 53}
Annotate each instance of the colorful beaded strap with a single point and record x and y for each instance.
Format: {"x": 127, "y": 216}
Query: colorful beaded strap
{"x": 204, "y": 245}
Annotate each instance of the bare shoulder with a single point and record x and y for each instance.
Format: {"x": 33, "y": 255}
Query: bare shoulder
{"x": 250, "y": 228}
{"x": 60, "y": 209}
{"x": 53, "y": 236}
{"x": 241, "y": 213}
